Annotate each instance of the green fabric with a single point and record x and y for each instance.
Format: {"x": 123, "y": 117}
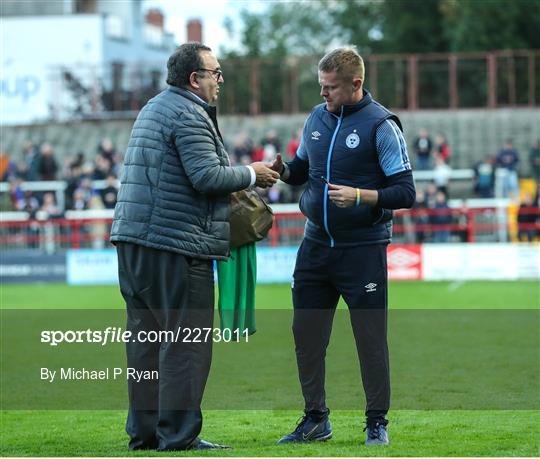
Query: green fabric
{"x": 236, "y": 282}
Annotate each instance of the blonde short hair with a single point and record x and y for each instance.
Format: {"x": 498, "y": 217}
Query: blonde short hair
{"x": 345, "y": 61}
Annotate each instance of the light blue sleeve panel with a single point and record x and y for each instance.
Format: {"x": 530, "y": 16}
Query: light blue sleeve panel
{"x": 392, "y": 149}
{"x": 301, "y": 151}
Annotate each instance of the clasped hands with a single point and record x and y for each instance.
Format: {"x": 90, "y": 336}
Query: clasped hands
{"x": 340, "y": 195}
{"x": 265, "y": 175}
{"x": 268, "y": 173}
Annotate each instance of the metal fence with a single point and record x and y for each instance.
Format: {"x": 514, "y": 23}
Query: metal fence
{"x": 290, "y": 85}
{"x": 495, "y": 222}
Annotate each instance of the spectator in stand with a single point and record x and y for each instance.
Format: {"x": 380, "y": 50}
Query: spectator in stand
{"x": 271, "y": 145}
{"x": 243, "y": 149}
{"x": 31, "y": 204}
{"x": 431, "y": 192}
{"x": 293, "y": 144}
{"x": 79, "y": 201}
{"x": 258, "y": 152}
{"x": 98, "y": 230}
{"x": 78, "y": 161}
{"x": 271, "y": 138}
{"x": 269, "y": 152}
{"x": 110, "y": 192}
{"x": 16, "y": 194}
{"x": 8, "y": 168}
{"x": 82, "y": 195}
{"x": 440, "y": 218}
{"x": 527, "y": 219}
{"x": 87, "y": 171}
{"x": 442, "y": 148}
{"x": 274, "y": 194}
{"x": 422, "y": 148}
{"x": 420, "y": 216}
{"x": 508, "y": 160}
{"x": 484, "y": 183}
{"x": 106, "y": 149}
{"x": 73, "y": 177}
{"x": 102, "y": 167}
{"x": 291, "y": 193}
{"x": 441, "y": 174}
{"x": 30, "y": 166}
{"x": 50, "y": 207}
{"x": 118, "y": 164}
{"x": 48, "y": 167}
{"x": 534, "y": 161}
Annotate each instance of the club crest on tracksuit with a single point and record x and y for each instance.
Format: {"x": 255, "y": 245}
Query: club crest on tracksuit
{"x": 352, "y": 140}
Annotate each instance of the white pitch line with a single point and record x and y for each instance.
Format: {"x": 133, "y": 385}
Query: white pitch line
{"x": 455, "y": 285}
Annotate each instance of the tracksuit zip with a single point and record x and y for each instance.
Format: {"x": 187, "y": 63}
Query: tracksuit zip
{"x": 330, "y": 151}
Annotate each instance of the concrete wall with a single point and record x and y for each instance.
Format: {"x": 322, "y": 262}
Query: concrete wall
{"x": 473, "y": 134}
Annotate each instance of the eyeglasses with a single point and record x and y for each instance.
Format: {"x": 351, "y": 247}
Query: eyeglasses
{"x": 217, "y": 74}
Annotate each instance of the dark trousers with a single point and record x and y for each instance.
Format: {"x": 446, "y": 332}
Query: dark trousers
{"x": 359, "y": 274}
{"x": 164, "y": 291}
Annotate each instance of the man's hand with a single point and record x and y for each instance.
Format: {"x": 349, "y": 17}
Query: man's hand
{"x": 345, "y": 196}
{"x": 266, "y": 176}
{"x": 277, "y": 165}
{"x": 342, "y": 196}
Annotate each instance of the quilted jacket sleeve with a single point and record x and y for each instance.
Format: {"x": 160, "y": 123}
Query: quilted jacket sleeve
{"x": 195, "y": 143}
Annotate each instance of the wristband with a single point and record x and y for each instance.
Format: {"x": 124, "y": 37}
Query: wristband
{"x": 358, "y": 197}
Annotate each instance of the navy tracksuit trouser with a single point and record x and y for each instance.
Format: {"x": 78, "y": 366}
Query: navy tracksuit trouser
{"x": 358, "y": 274}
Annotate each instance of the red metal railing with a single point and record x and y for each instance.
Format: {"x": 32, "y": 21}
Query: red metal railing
{"x": 415, "y": 225}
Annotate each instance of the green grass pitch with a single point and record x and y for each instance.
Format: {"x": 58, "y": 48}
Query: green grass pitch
{"x": 254, "y": 433}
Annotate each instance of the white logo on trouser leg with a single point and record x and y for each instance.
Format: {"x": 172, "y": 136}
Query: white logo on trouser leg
{"x": 371, "y": 287}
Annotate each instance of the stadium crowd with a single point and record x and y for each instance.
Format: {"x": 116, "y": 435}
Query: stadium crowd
{"x": 91, "y": 178}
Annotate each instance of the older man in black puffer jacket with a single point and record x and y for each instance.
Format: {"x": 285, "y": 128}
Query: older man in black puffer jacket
{"x": 171, "y": 221}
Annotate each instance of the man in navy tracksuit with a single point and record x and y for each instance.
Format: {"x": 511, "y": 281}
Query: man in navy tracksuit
{"x": 354, "y": 159}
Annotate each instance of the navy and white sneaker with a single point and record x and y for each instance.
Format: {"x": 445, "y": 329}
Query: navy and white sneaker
{"x": 376, "y": 434}
{"x": 309, "y": 429}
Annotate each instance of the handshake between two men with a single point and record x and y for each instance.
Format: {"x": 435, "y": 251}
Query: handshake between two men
{"x": 266, "y": 173}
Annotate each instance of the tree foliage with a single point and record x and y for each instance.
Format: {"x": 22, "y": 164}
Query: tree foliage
{"x": 389, "y": 26}
{"x": 483, "y": 25}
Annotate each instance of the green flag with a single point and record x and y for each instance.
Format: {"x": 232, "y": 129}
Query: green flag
{"x": 237, "y": 278}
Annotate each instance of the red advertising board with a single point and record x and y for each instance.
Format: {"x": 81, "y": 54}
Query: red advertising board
{"x": 404, "y": 261}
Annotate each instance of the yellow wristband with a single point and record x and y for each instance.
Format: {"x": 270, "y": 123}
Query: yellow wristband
{"x": 358, "y": 196}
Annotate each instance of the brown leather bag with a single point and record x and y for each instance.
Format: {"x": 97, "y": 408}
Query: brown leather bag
{"x": 251, "y": 218}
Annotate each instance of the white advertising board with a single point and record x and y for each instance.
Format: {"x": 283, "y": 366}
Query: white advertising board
{"x": 91, "y": 267}
{"x": 480, "y": 261}
{"x": 87, "y": 267}
{"x": 276, "y": 264}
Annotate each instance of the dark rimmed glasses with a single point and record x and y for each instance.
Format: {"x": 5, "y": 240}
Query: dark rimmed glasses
{"x": 217, "y": 74}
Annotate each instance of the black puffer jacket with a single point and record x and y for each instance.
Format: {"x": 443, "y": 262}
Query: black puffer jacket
{"x": 176, "y": 180}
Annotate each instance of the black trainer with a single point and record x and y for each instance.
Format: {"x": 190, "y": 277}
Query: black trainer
{"x": 376, "y": 434}
{"x": 309, "y": 429}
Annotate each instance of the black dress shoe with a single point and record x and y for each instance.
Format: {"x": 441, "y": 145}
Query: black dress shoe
{"x": 199, "y": 443}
